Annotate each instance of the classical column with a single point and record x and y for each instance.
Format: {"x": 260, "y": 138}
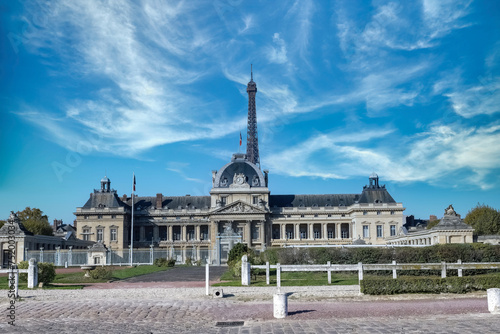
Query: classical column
{"x": 283, "y": 231}
{"x": 183, "y": 235}
{"x": 297, "y": 231}
{"x": 262, "y": 238}
{"x": 311, "y": 231}
{"x": 248, "y": 232}
{"x": 197, "y": 232}
{"x": 339, "y": 230}
{"x": 324, "y": 235}
{"x": 170, "y": 233}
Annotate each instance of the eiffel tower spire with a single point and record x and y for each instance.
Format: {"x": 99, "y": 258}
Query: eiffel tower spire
{"x": 252, "y": 139}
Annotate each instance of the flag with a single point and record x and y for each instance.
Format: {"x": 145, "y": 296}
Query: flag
{"x": 134, "y": 182}
{"x": 240, "y": 138}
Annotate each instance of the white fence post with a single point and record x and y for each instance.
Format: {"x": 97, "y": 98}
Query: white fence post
{"x": 32, "y": 274}
{"x": 329, "y": 272}
{"x": 443, "y": 269}
{"x": 394, "y": 274}
{"x": 245, "y": 271}
{"x": 207, "y": 278}
{"x": 267, "y": 273}
{"x": 70, "y": 255}
{"x": 278, "y": 275}
{"x": 360, "y": 271}
{"x": 460, "y": 269}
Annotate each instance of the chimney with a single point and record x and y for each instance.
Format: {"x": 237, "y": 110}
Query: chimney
{"x": 124, "y": 198}
{"x": 432, "y": 218}
{"x": 74, "y": 224}
{"x": 159, "y": 201}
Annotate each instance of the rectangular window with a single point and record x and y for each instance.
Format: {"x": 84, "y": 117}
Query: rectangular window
{"x": 380, "y": 233}
{"x": 378, "y": 213}
{"x": 255, "y": 200}
{"x": 113, "y": 234}
{"x": 255, "y": 233}
{"x": 365, "y": 213}
{"x": 392, "y": 212}
{"x": 113, "y": 216}
{"x": 86, "y": 234}
{"x": 99, "y": 217}
{"x": 366, "y": 231}
{"x": 223, "y": 201}
{"x": 393, "y": 230}
{"x": 99, "y": 235}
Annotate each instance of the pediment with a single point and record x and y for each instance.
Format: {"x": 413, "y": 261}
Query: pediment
{"x": 239, "y": 207}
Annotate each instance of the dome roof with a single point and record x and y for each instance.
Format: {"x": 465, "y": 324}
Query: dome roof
{"x": 373, "y": 176}
{"x": 105, "y": 179}
{"x": 240, "y": 173}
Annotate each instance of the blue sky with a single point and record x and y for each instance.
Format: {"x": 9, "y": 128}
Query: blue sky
{"x": 345, "y": 88}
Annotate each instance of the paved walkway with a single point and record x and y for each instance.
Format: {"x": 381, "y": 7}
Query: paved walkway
{"x": 156, "y": 310}
{"x": 181, "y": 274}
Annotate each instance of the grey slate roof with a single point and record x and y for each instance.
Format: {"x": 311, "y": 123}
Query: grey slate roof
{"x": 103, "y": 199}
{"x": 450, "y": 222}
{"x": 312, "y": 200}
{"x": 171, "y": 202}
{"x": 376, "y": 195}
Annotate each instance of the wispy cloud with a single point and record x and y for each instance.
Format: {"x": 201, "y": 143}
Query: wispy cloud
{"x": 277, "y": 53}
{"x": 434, "y": 156}
{"x": 180, "y": 168}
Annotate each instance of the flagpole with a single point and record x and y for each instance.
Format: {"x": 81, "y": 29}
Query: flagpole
{"x": 132, "y": 227}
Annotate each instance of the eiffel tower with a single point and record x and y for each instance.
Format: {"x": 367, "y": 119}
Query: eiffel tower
{"x": 252, "y": 139}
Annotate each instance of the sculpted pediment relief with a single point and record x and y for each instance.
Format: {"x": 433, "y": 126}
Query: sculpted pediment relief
{"x": 239, "y": 207}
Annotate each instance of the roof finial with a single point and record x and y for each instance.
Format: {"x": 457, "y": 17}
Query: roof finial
{"x": 251, "y": 72}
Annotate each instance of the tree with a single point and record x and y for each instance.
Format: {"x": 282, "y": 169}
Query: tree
{"x": 2, "y": 222}
{"x": 35, "y": 221}
{"x": 484, "y": 219}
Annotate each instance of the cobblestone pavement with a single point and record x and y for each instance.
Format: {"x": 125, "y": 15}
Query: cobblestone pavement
{"x": 147, "y": 311}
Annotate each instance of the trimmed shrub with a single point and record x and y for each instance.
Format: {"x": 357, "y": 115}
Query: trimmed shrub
{"x": 46, "y": 272}
{"x": 101, "y": 273}
{"x": 389, "y": 286}
{"x": 430, "y": 254}
{"x": 164, "y": 262}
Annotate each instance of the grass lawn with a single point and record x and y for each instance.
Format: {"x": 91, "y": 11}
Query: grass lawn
{"x": 119, "y": 273}
{"x": 292, "y": 279}
{"x": 75, "y": 280}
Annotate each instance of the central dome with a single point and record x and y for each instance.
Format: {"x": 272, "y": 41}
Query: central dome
{"x": 239, "y": 173}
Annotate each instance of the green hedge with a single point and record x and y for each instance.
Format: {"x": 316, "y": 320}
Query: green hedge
{"x": 476, "y": 252}
{"x": 389, "y": 286}
{"x": 46, "y": 272}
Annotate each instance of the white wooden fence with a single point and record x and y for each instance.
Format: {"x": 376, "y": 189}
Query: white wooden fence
{"x": 360, "y": 268}
{"x": 14, "y": 272}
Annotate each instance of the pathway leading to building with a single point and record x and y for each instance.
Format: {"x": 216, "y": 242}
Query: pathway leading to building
{"x": 180, "y": 274}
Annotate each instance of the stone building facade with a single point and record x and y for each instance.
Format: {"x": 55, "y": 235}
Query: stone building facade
{"x": 451, "y": 229}
{"x": 240, "y": 203}
{"x": 14, "y": 233}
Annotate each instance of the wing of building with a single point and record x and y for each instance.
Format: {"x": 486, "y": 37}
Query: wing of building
{"x": 240, "y": 207}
